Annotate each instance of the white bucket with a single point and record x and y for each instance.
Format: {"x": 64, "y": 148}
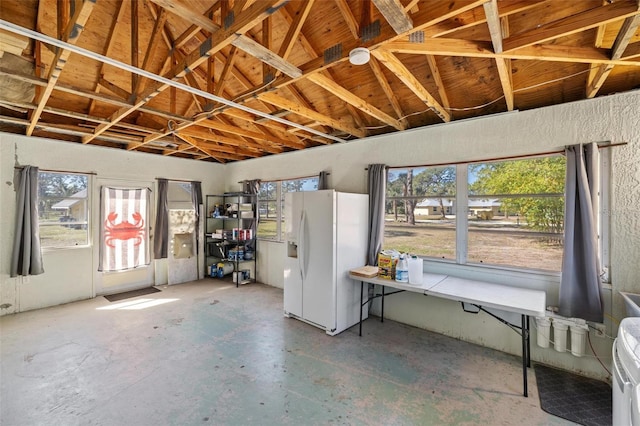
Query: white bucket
{"x": 543, "y": 324}
{"x": 415, "y": 270}
{"x": 560, "y": 334}
{"x": 578, "y": 338}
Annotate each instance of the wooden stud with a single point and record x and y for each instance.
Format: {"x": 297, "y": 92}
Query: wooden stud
{"x": 350, "y": 20}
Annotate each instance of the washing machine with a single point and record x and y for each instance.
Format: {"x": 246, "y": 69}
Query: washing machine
{"x": 626, "y": 373}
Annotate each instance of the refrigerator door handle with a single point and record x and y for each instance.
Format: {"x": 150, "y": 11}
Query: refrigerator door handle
{"x": 301, "y": 245}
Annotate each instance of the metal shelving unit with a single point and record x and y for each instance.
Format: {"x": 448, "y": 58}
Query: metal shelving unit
{"x": 230, "y": 233}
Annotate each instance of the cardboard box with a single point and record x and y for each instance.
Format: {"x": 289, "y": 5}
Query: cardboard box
{"x": 386, "y": 266}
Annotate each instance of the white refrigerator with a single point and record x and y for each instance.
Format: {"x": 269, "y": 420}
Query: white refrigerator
{"x": 326, "y": 236}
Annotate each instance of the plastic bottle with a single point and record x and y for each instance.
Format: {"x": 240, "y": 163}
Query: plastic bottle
{"x": 402, "y": 269}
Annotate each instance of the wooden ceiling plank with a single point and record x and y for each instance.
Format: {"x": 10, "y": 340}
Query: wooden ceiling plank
{"x": 74, "y": 29}
{"x": 116, "y": 90}
{"x": 350, "y": 20}
{"x": 626, "y": 33}
{"x": 389, "y": 60}
{"x": 294, "y": 107}
{"x": 346, "y": 95}
{"x": 251, "y": 17}
{"x": 503, "y": 65}
{"x": 589, "y": 19}
{"x": 388, "y": 91}
{"x": 394, "y": 13}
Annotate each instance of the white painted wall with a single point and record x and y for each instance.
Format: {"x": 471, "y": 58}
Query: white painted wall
{"x": 70, "y": 273}
{"x": 613, "y": 118}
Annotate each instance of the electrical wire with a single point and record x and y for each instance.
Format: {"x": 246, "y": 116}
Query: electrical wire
{"x": 596, "y": 355}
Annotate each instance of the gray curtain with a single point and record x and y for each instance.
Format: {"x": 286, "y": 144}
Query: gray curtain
{"x": 580, "y": 287}
{"x": 161, "y": 233}
{"x": 27, "y": 253}
{"x": 196, "y": 200}
{"x": 377, "y": 182}
{"x": 323, "y": 180}
{"x": 253, "y": 187}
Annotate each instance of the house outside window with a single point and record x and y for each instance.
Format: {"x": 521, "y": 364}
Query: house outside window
{"x": 271, "y": 204}
{"x": 63, "y": 203}
{"x": 507, "y": 214}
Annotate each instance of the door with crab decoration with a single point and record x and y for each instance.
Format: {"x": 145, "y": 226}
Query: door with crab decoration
{"x": 122, "y": 237}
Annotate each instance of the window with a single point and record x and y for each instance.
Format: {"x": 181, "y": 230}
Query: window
{"x": 416, "y": 219}
{"x": 63, "y": 209}
{"x": 271, "y": 204}
{"x": 507, "y": 213}
{"x": 516, "y": 213}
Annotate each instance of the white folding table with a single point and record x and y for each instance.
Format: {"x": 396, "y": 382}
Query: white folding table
{"x": 480, "y": 294}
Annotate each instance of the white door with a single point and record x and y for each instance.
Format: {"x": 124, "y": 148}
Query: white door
{"x": 318, "y": 275}
{"x": 182, "y": 262}
{"x": 117, "y": 282}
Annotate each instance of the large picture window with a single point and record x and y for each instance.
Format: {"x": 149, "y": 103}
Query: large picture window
{"x": 271, "y": 204}
{"x": 63, "y": 200}
{"x": 507, "y": 213}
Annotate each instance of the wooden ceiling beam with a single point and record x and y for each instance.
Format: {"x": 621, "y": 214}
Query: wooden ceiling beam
{"x": 218, "y": 156}
{"x": 252, "y": 47}
{"x": 73, "y": 31}
{"x": 471, "y": 18}
{"x": 296, "y": 108}
{"x": 346, "y": 95}
{"x": 437, "y": 78}
{"x": 295, "y": 28}
{"x": 626, "y": 33}
{"x": 158, "y": 28}
{"x": 235, "y": 130}
{"x": 226, "y": 71}
{"x": 579, "y": 22}
{"x": 388, "y": 91}
{"x": 389, "y": 60}
{"x": 349, "y": 19}
{"x": 249, "y": 18}
{"x": 483, "y": 49}
{"x": 107, "y": 50}
{"x": 503, "y": 65}
{"x": 250, "y": 148}
{"x": 394, "y": 13}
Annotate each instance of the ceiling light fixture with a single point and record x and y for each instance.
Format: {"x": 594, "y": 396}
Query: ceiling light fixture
{"x": 359, "y": 56}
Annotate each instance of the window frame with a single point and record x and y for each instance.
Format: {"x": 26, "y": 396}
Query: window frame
{"x": 462, "y": 222}
{"x": 279, "y": 201}
{"x": 87, "y": 207}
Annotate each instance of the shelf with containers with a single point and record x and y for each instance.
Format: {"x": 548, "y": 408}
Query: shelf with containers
{"x": 230, "y": 237}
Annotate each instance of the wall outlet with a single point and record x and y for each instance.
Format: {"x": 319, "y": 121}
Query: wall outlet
{"x": 600, "y": 330}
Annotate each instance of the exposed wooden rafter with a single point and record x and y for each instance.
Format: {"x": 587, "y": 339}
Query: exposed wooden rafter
{"x": 386, "y": 88}
{"x": 394, "y": 13}
{"x": 393, "y": 63}
{"x": 503, "y": 65}
{"x": 627, "y": 31}
{"x": 73, "y": 31}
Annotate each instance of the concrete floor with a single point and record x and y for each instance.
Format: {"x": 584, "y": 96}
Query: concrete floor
{"x": 209, "y": 353}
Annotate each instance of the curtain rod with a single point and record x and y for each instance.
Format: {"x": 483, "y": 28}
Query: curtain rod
{"x": 179, "y": 180}
{"x": 58, "y": 171}
{"x": 513, "y": 157}
{"x": 292, "y": 178}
